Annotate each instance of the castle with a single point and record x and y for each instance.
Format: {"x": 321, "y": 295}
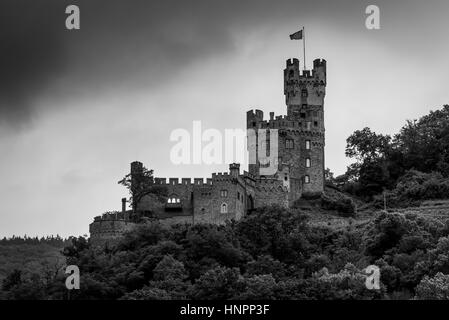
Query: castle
{"x": 299, "y": 167}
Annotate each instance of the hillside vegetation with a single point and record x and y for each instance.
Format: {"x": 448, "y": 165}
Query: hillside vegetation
{"x": 274, "y": 253}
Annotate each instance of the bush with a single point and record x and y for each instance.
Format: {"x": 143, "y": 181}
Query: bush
{"x": 344, "y": 205}
{"x": 417, "y": 185}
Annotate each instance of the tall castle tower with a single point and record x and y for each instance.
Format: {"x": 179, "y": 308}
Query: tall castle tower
{"x": 300, "y": 157}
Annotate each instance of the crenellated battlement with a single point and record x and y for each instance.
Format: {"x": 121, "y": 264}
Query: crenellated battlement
{"x": 220, "y": 176}
{"x": 285, "y": 122}
{"x": 319, "y": 63}
{"x": 248, "y": 175}
{"x": 184, "y": 181}
{"x": 293, "y": 75}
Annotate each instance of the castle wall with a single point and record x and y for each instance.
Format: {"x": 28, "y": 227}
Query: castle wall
{"x": 208, "y": 200}
{"x": 271, "y": 192}
{"x": 108, "y": 230}
{"x": 200, "y": 201}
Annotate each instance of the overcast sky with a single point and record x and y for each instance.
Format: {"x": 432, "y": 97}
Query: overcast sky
{"x": 76, "y": 107}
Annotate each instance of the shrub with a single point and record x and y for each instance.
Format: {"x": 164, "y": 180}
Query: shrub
{"x": 341, "y": 203}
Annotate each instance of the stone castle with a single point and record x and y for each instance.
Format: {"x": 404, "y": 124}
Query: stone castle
{"x": 299, "y": 168}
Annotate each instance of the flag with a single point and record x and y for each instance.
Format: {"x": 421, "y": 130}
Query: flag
{"x": 296, "y": 36}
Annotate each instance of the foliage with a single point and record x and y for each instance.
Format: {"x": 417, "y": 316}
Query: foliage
{"x": 344, "y": 205}
{"x": 272, "y": 254}
{"x": 436, "y": 288}
{"x": 137, "y": 184}
{"x": 382, "y": 161}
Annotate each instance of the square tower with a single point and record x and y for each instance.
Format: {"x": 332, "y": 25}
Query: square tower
{"x": 300, "y": 133}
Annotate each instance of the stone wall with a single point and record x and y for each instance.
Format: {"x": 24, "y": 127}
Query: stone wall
{"x": 108, "y": 230}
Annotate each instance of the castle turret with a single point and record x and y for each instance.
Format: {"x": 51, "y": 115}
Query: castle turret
{"x": 234, "y": 169}
{"x": 302, "y": 88}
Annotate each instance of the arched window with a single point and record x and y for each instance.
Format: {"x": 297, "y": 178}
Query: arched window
{"x": 307, "y": 162}
{"x": 306, "y": 179}
{"x": 224, "y": 208}
{"x": 173, "y": 199}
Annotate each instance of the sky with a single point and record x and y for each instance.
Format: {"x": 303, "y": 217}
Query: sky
{"x": 77, "y": 106}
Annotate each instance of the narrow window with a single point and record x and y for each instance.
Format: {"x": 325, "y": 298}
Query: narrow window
{"x": 307, "y": 162}
{"x": 306, "y": 179}
{"x": 304, "y": 93}
{"x": 289, "y": 144}
{"x": 307, "y": 144}
{"x": 224, "y": 193}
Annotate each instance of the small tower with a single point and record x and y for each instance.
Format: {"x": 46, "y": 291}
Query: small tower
{"x": 253, "y": 123}
{"x": 136, "y": 173}
{"x": 234, "y": 169}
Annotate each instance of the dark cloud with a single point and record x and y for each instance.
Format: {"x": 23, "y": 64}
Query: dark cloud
{"x": 118, "y": 40}
{"x": 31, "y": 52}
{"x": 146, "y": 42}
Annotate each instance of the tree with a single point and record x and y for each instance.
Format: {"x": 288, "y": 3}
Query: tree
{"x": 258, "y": 287}
{"x": 137, "y": 184}
{"x": 365, "y": 144}
{"x": 169, "y": 268}
{"x": 219, "y": 283}
{"x": 425, "y": 142}
{"x": 279, "y": 232}
{"x": 435, "y": 288}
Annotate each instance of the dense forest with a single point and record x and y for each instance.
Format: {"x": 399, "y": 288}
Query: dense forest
{"x": 278, "y": 253}
{"x": 271, "y": 254}
{"x": 55, "y": 241}
{"x": 31, "y": 255}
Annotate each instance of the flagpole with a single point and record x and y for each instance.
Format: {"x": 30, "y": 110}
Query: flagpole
{"x": 304, "y": 46}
